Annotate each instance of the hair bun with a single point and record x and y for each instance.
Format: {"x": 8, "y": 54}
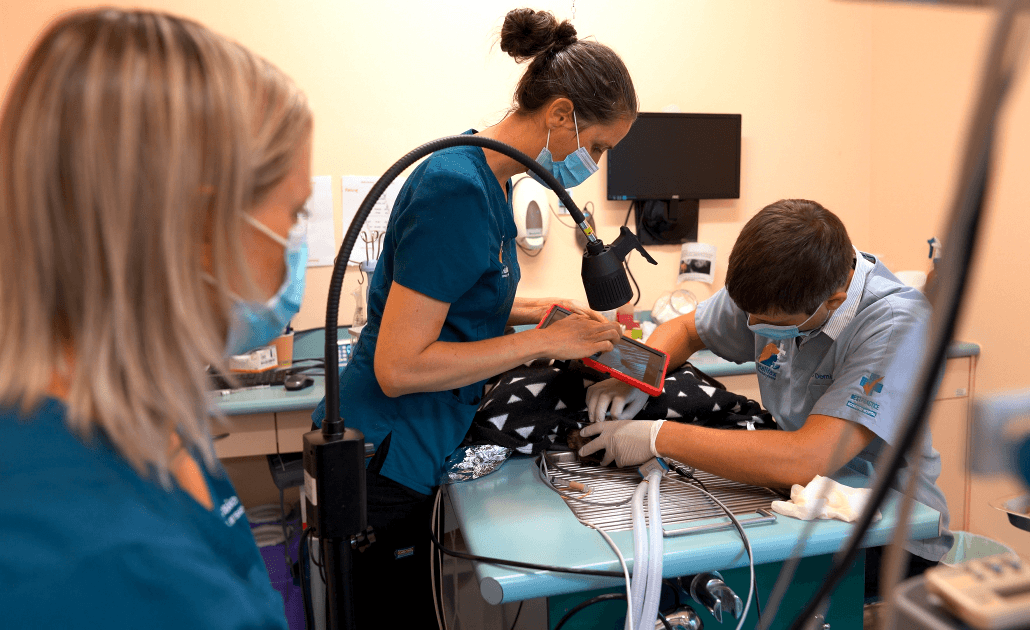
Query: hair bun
{"x": 527, "y": 33}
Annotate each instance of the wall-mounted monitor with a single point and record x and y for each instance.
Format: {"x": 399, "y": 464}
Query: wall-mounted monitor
{"x": 674, "y": 160}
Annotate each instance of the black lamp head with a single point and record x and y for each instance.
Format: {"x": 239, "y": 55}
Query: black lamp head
{"x": 604, "y": 271}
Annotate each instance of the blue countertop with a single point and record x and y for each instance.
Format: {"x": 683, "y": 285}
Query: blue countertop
{"x": 512, "y": 514}
{"x": 310, "y": 344}
{"x": 307, "y": 344}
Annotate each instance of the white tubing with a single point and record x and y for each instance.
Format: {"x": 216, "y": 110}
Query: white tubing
{"x": 653, "y": 592}
{"x": 640, "y": 556}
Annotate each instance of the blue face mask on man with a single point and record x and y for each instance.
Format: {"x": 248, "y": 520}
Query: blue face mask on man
{"x": 782, "y": 333}
{"x": 255, "y": 324}
{"x": 573, "y": 170}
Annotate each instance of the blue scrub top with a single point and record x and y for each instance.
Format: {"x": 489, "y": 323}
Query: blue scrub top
{"x": 88, "y": 543}
{"x": 451, "y": 236}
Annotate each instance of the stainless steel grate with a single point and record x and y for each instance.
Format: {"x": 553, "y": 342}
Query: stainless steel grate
{"x": 682, "y": 503}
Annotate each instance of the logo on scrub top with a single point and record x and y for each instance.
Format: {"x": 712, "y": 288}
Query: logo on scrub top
{"x": 766, "y": 363}
{"x": 872, "y": 384}
{"x": 500, "y": 258}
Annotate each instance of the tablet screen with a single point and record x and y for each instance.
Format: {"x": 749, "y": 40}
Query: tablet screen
{"x": 630, "y": 357}
{"x": 635, "y": 360}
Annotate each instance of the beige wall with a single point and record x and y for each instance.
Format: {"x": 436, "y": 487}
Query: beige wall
{"x": 385, "y": 77}
{"x": 859, "y": 106}
{"x": 927, "y": 64}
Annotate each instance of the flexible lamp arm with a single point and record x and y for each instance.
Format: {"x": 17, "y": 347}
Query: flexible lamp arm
{"x": 606, "y": 282}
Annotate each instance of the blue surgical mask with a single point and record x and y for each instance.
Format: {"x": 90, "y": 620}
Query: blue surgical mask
{"x": 782, "y": 333}
{"x": 255, "y": 324}
{"x": 573, "y": 170}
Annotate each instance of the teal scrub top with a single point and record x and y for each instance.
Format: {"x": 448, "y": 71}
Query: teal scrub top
{"x": 451, "y": 236}
{"x": 85, "y": 542}
{"x": 855, "y": 368}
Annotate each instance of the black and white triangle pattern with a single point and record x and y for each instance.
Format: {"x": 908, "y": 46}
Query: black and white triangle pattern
{"x": 534, "y": 405}
{"x": 528, "y": 407}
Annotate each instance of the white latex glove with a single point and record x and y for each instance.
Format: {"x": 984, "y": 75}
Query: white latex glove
{"x": 628, "y": 442}
{"x": 624, "y": 401}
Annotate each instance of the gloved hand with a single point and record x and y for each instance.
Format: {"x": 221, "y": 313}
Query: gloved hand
{"x": 625, "y": 400}
{"x": 628, "y": 442}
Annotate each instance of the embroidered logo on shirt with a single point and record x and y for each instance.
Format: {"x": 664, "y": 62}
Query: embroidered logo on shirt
{"x": 231, "y": 510}
{"x": 767, "y": 361}
{"x": 500, "y": 258}
{"x": 864, "y": 405}
{"x": 873, "y": 384}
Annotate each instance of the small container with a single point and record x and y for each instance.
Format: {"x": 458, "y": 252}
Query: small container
{"x": 284, "y": 349}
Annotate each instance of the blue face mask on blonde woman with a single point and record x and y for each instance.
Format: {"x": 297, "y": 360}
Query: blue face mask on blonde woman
{"x": 254, "y": 324}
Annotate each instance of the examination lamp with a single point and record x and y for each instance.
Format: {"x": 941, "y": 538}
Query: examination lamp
{"x": 334, "y": 458}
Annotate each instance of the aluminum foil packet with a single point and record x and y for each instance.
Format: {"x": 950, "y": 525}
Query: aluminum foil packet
{"x": 472, "y": 462}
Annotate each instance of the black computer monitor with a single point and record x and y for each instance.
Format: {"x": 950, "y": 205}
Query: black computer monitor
{"x": 674, "y": 160}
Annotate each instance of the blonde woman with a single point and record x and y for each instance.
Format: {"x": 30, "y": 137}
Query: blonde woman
{"x": 151, "y": 176}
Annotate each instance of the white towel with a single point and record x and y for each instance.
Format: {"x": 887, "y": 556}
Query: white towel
{"x": 841, "y": 502}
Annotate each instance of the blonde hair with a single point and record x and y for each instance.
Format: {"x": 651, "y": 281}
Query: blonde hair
{"x": 131, "y": 142}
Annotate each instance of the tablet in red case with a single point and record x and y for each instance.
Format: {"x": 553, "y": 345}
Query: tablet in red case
{"x": 631, "y": 362}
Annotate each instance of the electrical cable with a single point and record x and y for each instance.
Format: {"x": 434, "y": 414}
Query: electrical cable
{"x": 622, "y": 563}
{"x": 625, "y": 263}
{"x": 518, "y": 564}
{"x": 962, "y": 236}
{"x": 305, "y": 584}
{"x": 317, "y": 563}
{"x": 683, "y": 472}
{"x": 440, "y": 561}
{"x": 437, "y": 600}
{"x": 558, "y": 217}
{"x": 517, "y": 613}
{"x": 752, "y": 589}
{"x": 522, "y": 565}
{"x": 526, "y": 251}
{"x": 596, "y": 600}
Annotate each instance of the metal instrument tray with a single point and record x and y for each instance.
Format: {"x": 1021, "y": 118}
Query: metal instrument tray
{"x": 1016, "y": 508}
{"x": 682, "y": 502}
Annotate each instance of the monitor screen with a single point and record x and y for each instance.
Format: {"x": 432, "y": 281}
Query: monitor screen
{"x": 677, "y": 156}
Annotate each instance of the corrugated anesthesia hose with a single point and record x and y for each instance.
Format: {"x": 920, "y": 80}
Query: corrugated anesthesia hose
{"x": 653, "y": 592}
{"x": 640, "y": 555}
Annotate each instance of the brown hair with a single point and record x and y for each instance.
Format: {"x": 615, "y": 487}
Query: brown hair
{"x": 131, "y": 144}
{"x": 589, "y": 74}
{"x": 788, "y": 259}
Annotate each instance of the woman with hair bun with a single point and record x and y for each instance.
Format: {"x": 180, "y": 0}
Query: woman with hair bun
{"x": 152, "y": 174}
{"x": 444, "y": 291}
